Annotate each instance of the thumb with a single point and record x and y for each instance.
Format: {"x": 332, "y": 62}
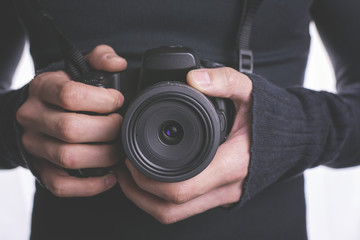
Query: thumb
{"x": 103, "y": 57}
{"x": 221, "y": 82}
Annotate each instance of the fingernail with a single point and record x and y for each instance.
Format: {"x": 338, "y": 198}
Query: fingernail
{"x": 120, "y": 102}
{"x": 202, "y": 78}
{"x": 113, "y": 57}
{"x": 110, "y": 180}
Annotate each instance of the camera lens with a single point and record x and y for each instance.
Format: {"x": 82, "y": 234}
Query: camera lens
{"x": 171, "y": 133}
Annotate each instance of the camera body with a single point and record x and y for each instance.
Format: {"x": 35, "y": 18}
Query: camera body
{"x": 170, "y": 131}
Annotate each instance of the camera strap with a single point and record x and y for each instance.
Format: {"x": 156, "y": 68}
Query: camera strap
{"x": 76, "y": 64}
{"x": 245, "y": 55}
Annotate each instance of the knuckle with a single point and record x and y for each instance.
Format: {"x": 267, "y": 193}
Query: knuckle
{"x": 70, "y": 95}
{"x": 167, "y": 216}
{"x": 58, "y": 188}
{"x": 237, "y": 174}
{"x": 139, "y": 182}
{"x": 230, "y": 77}
{"x": 165, "y": 220}
{"x": 67, "y": 128}
{"x": 26, "y": 140}
{"x": 115, "y": 97}
{"x": 243, "y": 172}
{"x": 115, "y": 120}
{"x": 21, "y": 115}
{"x": 92, "y": 188}
{"x": 65, "y": 157}
{"x": 178, "y": 195}
{"x": 242, "y": 167}
{"x": 235, "y": 194}
{"x": 26, "y": 113}
{"x": 36, "y": 83}
{"x": 101, "y": 63}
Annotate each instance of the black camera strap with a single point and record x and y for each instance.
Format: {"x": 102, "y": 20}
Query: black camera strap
{"x": 245, "y": 55}
{"x": 76, "y": 64}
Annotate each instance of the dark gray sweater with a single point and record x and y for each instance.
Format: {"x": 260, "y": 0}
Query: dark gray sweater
{"x": 292, "y": 128}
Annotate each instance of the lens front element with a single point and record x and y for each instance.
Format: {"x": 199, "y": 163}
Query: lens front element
{"x": 171, "y": 132}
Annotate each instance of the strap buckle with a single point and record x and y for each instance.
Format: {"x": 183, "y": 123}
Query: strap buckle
{"x": 246, "y": 61}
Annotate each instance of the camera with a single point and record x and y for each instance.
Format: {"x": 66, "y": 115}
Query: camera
{"x": 170, "y": 131}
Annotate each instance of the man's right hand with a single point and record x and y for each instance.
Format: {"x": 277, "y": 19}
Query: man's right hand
{"x": 59, "y": 137}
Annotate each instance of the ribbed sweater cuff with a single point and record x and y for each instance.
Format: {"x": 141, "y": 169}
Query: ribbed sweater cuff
{"x": 287, "y": 136}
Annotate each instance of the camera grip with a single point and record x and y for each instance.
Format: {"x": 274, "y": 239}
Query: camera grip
{"x": 119, "y": 81}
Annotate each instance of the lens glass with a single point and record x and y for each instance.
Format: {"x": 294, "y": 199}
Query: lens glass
{"x": 171, "y": 133}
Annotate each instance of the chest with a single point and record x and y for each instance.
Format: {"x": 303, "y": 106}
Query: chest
{"x": 209, "y": 26}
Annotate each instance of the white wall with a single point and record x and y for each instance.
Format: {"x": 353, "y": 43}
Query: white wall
{"x": 333, "y": 196}
{"x": 17, "y": 185}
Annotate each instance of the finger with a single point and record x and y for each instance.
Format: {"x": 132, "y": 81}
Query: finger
{"x": 71, "y": 127}
{"x": 63, "y": 185}
{"x": 103, "y": 57}
{"x": 71, "y": 156}
{"x": 57, "y": 89}
{"x": 82, "y": 128}
{"x": 225, "y": 168}
{"x": 221, "y": 82}
{"x": 167, "y": 212}
{"x": 226, "y": 83}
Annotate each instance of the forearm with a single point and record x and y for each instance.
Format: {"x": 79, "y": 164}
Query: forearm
{"x": 295, "y": 129}
{"x": 11, "y": 49}
{"x": 10, "y": 132}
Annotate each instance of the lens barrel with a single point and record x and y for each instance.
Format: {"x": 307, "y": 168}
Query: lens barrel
{"x": 171, "y": 132}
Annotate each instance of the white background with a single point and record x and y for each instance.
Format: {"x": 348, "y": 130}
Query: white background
{"x": 333, "y": 196}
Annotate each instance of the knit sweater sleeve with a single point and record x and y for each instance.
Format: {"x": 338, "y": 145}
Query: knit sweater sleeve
{"x": 11, "y": 47}
{"x": 11, "y": 151}
{"x": 294, "y": 129}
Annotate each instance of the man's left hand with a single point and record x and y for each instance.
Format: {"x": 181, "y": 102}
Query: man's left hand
{"x": 220, "y": 184}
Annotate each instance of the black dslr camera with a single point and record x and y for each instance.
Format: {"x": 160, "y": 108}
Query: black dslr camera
{"x": 170, "y": 131}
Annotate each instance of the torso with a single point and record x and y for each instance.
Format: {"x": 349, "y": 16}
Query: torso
{"x": 280, "y": 41}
